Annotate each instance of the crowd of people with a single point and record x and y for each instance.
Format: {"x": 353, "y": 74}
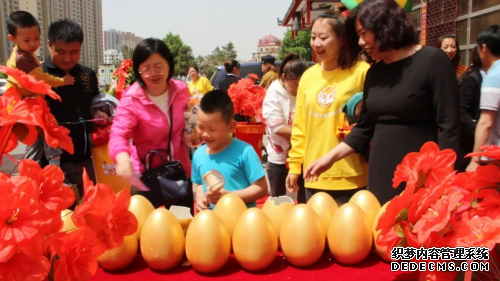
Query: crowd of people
{"x": 339, "y": 126}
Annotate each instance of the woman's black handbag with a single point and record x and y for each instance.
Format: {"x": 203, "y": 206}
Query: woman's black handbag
{"x": 168, "y": 183}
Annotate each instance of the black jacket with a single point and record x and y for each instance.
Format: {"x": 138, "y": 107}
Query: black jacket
{"x": 470, "y": 93}
{"x": 227, "y": 81}
{"x": 74, "y": 106}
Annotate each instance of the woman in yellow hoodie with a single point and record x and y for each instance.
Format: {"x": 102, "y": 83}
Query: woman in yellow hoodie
{"x": 323, "y": 90}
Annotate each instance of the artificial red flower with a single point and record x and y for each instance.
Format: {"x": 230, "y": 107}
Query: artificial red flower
{"x": 12, "y": 110}
{"x": 28, "y": 82}
{"x": 105, "y": 213}
{"x": 491, "y": 151}
{"x": 420, "y": 168}
{"x": 485, "y": 177}
{"x": 76, "y": 255}
{"x": 22, "y": 267}
{"x": 437, "y": 217}
{"x": 247, "y": 97}
{"x": 478, "y": 232}
{"x": 55, "y": 135}
{"x": 425, "y": 197}
{"x": 19, "y": 220}
{"x": 396, "y": 211}
{"x": 53, "y": 195}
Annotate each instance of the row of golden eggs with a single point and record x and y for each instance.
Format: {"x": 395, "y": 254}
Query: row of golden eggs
{"x": 303, "y": 226}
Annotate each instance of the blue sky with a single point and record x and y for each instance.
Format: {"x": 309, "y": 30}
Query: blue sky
{"x": 202, "y": 24}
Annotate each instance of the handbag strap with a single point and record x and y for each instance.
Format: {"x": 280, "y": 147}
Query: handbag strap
{"x": 171, "y": 125}
{"x": 145, "y": 162}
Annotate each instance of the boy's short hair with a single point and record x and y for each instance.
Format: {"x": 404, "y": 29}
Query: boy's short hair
{"x": 66, "y": 31}
{"x": 218, "y": 101}
{"x": 20, "y": 19}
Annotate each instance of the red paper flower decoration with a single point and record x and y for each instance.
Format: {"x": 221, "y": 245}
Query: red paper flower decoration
{"x": 440, "y": 208}
{"x": 76, "y": 255}
{"x": 105, "y": 213}
{"x": 26, "y": 82}
{"x": 247, "y": 97}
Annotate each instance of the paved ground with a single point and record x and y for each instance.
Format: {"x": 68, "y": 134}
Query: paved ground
{"x": 8, "y": 165}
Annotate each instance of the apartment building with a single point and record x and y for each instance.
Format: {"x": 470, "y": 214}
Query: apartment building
{"x": 87, "y": 13}
{"x": 115, "y": 39}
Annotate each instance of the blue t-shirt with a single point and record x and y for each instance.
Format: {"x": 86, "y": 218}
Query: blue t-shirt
{"x": 238, "y": 163}
{"x": 490, "y": 100}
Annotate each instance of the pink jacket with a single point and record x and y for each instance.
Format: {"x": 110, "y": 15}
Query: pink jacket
{"x": 139, "y": 119}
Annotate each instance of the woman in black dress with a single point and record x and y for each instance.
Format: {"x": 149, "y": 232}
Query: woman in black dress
{"x": 410, "y": 96}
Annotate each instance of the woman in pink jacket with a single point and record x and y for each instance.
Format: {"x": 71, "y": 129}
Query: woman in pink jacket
{"x": 143, "y": 116}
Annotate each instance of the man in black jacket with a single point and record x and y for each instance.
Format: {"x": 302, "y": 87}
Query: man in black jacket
{"x": 65, "y": 43}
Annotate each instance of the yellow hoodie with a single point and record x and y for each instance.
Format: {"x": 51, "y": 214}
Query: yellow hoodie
{"x": 318, "y": 114}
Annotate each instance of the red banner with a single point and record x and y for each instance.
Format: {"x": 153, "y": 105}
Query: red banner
{"x": 423, "y": 25}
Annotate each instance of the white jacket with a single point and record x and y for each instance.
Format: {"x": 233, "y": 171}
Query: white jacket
{"x": 278, "y": 110}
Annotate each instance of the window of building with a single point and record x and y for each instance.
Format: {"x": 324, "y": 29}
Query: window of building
{"x": 462, "y": 32}
{"x": 478, "y": 5}
{"x": 415, "y": 16}
{"x": 463, "y": 57}
{"x": 462, "y": 7}
{"x": 477, "y": 24}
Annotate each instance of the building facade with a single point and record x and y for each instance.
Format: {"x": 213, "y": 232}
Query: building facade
{"x": 464, "y": 18}
{"x": 434, "y": 18}
{"x": 116, "y": 40}
{"x": 268, "y": 45}
{"x": 104, "y": 73}
{"x": 112, "y": 56}
{"x": 87, "y": 13}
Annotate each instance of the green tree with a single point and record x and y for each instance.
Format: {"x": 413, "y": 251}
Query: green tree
{"x": 182, "y": 53}
{"x": 127, "y": 53}
{"x": 228, "y": 51}
{"x": 3, "y": 75}
{"x": 301, "y": 44}
{"x": 218, "y": 56}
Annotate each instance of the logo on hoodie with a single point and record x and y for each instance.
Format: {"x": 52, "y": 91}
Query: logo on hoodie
{"x": 326, "y": 97}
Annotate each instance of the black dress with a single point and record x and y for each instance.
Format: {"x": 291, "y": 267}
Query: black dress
{"x": 406, "y": 104}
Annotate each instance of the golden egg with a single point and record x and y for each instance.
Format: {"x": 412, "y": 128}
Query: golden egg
{"x": 255, "y": 241}
{"x": 68, "y": 225}
{"x": 185, "y": 224}
{"x": 324, "y": 206}
{"x": 368, "y": 203}
{"x": 382, "y": 251}
{"x": 276, "y": 209}
{"x": 208, "y": 244}
{"x": 162, "y": 240}
{"x": 141, "y": 208}
{"x": 302, "y": 236}
{"x": 229, "y": 208}
{"x": 121, "y": 257}
{"x": 349, "y": 235}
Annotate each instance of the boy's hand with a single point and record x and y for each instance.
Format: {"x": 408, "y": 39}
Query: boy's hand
{"x": 214, "y": 196}
{"x": 201, "y": 203}
{"x": 68, "y": 80}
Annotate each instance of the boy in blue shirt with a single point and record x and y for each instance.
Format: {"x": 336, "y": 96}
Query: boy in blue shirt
{"x": 234, "y": 159}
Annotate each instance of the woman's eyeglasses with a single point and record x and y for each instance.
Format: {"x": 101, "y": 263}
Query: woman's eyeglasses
{"x": 157, "y": 69}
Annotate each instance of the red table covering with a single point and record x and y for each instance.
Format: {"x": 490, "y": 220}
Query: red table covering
{"x": 325, "y": 269}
